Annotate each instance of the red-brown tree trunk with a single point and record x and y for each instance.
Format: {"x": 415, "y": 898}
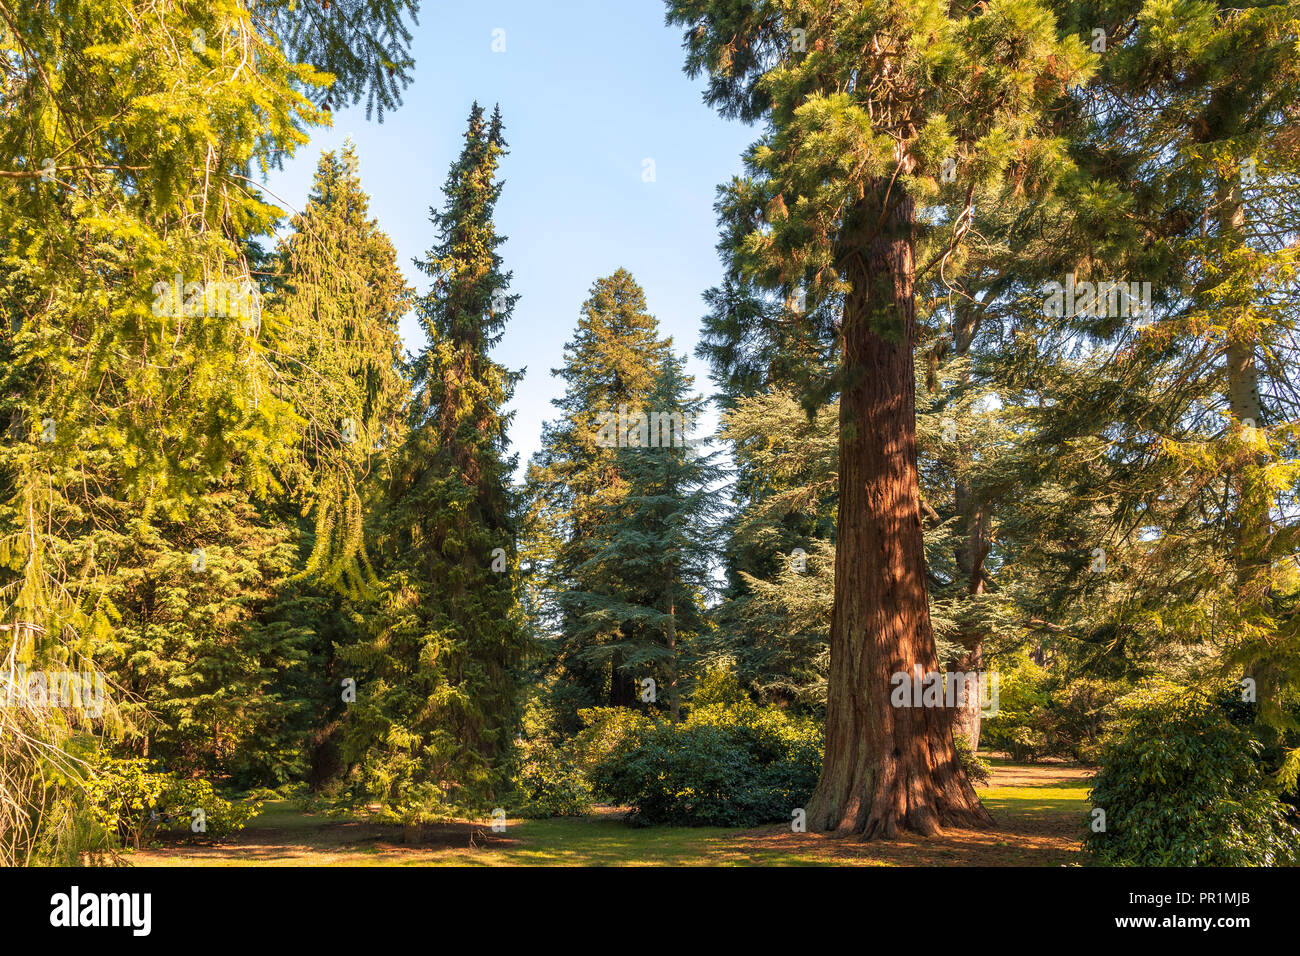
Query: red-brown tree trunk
{"x": 887, "y": 769}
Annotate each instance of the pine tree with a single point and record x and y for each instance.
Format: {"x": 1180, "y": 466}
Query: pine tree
{"x": 437, "y": 690}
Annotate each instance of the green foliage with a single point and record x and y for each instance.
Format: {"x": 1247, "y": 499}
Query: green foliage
{"x": 550, "y": 783}
{"x": 129, "y": 139}
{"x": 363, "y": 44}
{"x": 650, "y": 551}
{"x": 436, "y": 660}
{"x": 734, "y": 765}
{"x": 1181, "y": 786}
{"x": 979, "y": 770}
{"x": 608, "y": 730}
{"x": 1017, "y": 727}
{"x": 1046, "y": 713}
{"x": 778, "y": 551}
{"x": 577, "y": 484}
{"x": 341, "y": 295}
{"x": 138, "y": 803}
{"x": 719, "y": 687}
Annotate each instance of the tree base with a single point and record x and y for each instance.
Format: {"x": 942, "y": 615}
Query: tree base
{"x": 882, "y": 802}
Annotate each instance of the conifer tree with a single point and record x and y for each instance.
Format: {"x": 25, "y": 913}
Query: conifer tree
{"x": 1176, "y": 423}
{"x": 648, "y": 571}
{"x": 437, "y": 686}
{"x": 610, "y": 368}
{"x": 364, "y": 44}
{"x": 779, "y": 552}
{"x": 118, "y": 387}
{"x": 339, "y": 297}
{"x": 875, "y": 114}
{"x": 340, "y": 301}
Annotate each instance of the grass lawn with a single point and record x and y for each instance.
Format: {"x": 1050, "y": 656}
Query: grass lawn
{"x": 1039, "y": 812}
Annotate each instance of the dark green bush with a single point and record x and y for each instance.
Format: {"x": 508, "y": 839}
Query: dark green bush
{"x": 1074, "y": 723}
{"x": 1181, "y": 786}
{"x": 551, "y": 770}
{"x": 731, "y": 766}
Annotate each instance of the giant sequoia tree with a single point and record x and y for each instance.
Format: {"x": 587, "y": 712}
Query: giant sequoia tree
{"x": 876, "y": 113}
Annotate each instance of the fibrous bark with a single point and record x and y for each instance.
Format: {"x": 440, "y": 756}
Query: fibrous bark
{"x": 886, "y": 769}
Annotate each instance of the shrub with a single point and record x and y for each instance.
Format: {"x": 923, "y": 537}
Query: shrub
{"x": 549, "y": 783}
{"x": 1181, "y": 786}
{"x": 719, "y": 686}
{"x": 1074, "y": 721}
{"x": 550, "y": 778}
{"x": 977, "y": 768}
{"x": 1280, "y": 753}
{"x": 1018, "y": 726}
{"x": 605, "y": 731}
{"x": 138, "y": 803}
{"x": 1041, "y": 716}
{"x": 727, "y": 765}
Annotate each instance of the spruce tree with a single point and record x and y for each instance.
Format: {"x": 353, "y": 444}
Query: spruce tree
{"x": 610, "y": 367}
{"x": 650, "y": 547}
{"x": 437, "y": 690}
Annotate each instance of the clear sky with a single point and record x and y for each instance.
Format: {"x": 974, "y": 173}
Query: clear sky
{"x": 588, "y": 91}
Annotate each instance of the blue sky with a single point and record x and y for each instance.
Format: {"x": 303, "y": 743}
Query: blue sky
{"x": 588, "y": 92}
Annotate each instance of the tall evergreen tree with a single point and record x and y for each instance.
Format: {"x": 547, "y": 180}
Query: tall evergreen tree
{"x": 111, "y": 392}
{"x": 779, "y": 552}
{"x": 438, "y": 698}
{"x": 874, "y": 112}
{"x": 339, "y": 297}
{"x": 340, "y": 301}
{"x": 1178, "y": 425}
{"x": 610, "y": 365}
{"x": 648, "y": 571}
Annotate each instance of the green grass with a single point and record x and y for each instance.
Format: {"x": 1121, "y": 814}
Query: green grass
{"x": 1038, "y": 809}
